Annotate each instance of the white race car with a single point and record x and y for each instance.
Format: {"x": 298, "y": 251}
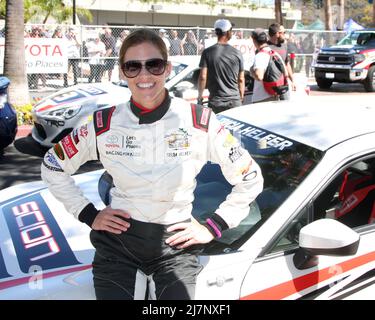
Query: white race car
{"x": 56, "y": 115}
{"x": 308, "y": 235}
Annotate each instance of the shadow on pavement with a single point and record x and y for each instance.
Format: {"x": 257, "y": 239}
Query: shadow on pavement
{"x": 22, "y": 160}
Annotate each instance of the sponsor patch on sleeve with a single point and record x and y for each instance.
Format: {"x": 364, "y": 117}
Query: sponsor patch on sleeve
{"x": 75, "y": 136}
{"x": 99, "y": 119}
{"x": 235, "y": 153}
{"x": 102, "y": 120}
{"x": 69, "y": 147}
{"x": 59, "y": 151}
{"x": 51, "y": 162}
{"x": 83, "y": 132}
{"x": 79, "y": 132}
{"x": 230, "y": 141}
{"x": 205, "y": 117}
{"x": 201, "y": 116}
{"x": 245, "y": 169}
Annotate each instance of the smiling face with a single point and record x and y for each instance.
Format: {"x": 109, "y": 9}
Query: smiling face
{"x": 147, "y": 89}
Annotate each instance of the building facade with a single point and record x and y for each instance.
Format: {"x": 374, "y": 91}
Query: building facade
{"x": 244, "y": 14}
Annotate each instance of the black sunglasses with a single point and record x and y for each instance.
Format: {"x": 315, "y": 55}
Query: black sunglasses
{"x": 133, "y": 68}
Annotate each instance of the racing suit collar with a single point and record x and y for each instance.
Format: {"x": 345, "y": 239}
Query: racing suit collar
{"x": 153, "y": 115}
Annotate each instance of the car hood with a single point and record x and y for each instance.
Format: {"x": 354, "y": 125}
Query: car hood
{"x": 347, "y": 48}
{"x": 83, "y": 94}
{"x": 41, "y": 240}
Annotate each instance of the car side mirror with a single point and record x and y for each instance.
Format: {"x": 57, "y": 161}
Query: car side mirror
{"x": 324, "y": 237}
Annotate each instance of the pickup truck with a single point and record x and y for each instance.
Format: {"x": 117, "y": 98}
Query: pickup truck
{"x": 351, "y": 60}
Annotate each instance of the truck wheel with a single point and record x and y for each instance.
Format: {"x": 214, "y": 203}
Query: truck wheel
{"x": 369, "y": 82}
{"x": 324, "y": 83}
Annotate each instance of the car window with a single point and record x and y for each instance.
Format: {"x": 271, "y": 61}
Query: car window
{"x": 348, "y": 198}
{"x": 191, "y": 77}
{"x": 358, "y": 37}
{"x": 350, "y": 39}
{"x": 176, "y": 69}
{"x": 285, "y": 164}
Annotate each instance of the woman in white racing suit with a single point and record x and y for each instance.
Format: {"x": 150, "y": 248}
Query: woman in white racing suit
{"x": 153, "y": 146}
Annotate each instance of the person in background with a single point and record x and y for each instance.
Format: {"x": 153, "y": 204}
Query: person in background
{"x": 120, "y": 40}
{"x": 110, "y": 47}
{"x": 276, "y": 42}
{"x": 308, "y": 47}
{"x": 222, "y": 71}
{"x": 164, "y": 36}
{"x": 177, "y": 45}
{"x": 96, "y": 51}
{"x": 58, "y": 33}
{"x": 294, "y": 49}
{"x": 73, "y": 49}
{"x": 261, "y": 61}
{"x": 190, "y": 43}
{"x": 147, "y": 233}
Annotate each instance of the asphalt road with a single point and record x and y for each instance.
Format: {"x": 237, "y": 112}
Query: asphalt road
{"x": 351, "y": 89}
{"x": 21, "y": 163}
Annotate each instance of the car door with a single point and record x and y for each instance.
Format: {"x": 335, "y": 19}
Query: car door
{"x": 275, "y": 273}
{"x": 224, "y": 262}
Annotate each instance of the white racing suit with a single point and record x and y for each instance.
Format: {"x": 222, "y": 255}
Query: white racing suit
{"x": 153, "y": 158}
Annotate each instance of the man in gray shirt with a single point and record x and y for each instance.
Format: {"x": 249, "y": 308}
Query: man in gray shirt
{"x": 222, "y": 71}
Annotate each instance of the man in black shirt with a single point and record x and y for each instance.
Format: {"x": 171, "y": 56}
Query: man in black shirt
{"x": 276, "y": 42}
{"x": 110, "y": 47}
{"x": 222, "y": 71}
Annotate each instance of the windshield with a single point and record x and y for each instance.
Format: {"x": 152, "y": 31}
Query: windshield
{"x": 176, "y": 69}
{"x": 285, "y": 164}
{"x": 357, "y": 37}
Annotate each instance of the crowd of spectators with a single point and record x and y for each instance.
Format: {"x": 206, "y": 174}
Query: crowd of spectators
{"x": 87, "y": 61}
{"x": 92, "y": 54}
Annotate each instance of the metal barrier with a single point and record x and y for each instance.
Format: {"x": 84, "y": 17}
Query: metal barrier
{"x": 93, "y": 50}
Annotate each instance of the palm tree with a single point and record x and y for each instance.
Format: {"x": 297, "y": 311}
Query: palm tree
{"x": 41, "y": 10}
{"x": 278, "y": 12}
{"x": 58, "y": 10}
{"x": 328, "y": 14}
{"x": 341, "y": 14}
{"x": 14, "y": 55}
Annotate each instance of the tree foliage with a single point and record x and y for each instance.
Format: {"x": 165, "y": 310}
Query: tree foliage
{"x": 358, "y": 10}
{"x": 38, "y": 11}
